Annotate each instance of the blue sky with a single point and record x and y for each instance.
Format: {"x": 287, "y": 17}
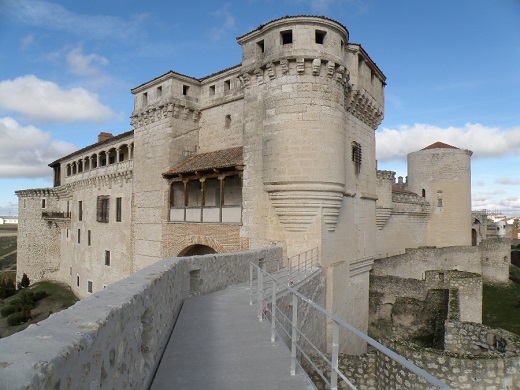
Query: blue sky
{"x": 452, "y": 67}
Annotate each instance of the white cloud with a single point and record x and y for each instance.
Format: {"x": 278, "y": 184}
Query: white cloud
{"x": 26, "y": 151}
{"x": 84, "y": 65}
{"x": 27, "y": 41}
{"x": 40, "y": 100}
{"x": 507, "y": 181}
{"x": 55, "y": 17}
{"x": 224, "y": 16}
{"x": 395, "y": 144}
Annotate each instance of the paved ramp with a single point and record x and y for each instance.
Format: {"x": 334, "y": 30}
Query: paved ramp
{"x": 218, "y": 343}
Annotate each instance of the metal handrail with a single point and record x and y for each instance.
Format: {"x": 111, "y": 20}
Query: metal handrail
{"x": 337, "y": 323}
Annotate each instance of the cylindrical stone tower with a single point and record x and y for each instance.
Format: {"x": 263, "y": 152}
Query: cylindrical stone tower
{"x": 295, "y": 71}
{"x": 441, "y": 173}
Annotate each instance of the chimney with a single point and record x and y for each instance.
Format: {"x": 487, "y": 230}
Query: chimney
{"x": 104, "y": 136}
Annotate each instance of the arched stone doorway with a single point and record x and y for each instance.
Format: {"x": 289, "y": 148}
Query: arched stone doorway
{"x": 197, "y": 250}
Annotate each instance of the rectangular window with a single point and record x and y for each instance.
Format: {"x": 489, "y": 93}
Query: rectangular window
{"x": 286, "y": 37}
{"x": 185, "y": 89}
{"x": 88, "y": 238}
{"x": 159, "y": 92}
{"x": 107, "y": 257}
{"x": 89, "y": 286}
{"x": 320, "y": 36}
{"x": 119, "y": 205}
{"x": 103, "y": 208}
{"x": 80, "y": 210}
{"x": 79, "y": 236}
{"x": 211, "y": 90}
{"x": 261, "y": 47}
{"x": 227, "y": 86}
{"x": 145, "y": 99}
{"x": 77, "y": 280}
{"x": 67, "y": 233}
{"x": 43, "y": 203}
{"x": 356, "y": 157}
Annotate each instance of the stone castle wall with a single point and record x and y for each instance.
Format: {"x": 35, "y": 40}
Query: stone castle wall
{"x": 115, "y": 338}
{"x": 415, "y": 262}
{"x": 38, "y": 247}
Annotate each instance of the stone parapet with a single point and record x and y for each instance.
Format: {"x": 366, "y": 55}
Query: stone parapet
{"x": 114, "y": 339}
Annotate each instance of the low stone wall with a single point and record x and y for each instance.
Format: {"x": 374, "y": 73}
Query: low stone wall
{"x": 114, "y": 339}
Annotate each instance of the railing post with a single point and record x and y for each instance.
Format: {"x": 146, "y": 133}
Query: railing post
{"x": 334, "y": 357}
{"x": 290, "y": 269}
{"x": 273, "y": 312}
{"x": 294, "y": 333}
{"x": 260, "y": 293}
{"x": 250, "y": 284}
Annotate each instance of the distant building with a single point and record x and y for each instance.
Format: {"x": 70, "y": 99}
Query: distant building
{"x": 10, "y": 219}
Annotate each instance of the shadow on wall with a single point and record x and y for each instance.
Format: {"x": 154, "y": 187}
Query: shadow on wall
{"x": 197, "y": 250}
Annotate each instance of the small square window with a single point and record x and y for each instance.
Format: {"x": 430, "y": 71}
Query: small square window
{"x": 320, "y": 36}
{"x": 107, "y": 258}
{"x": 211, "y": 90}
{"x": 286, "y": 37}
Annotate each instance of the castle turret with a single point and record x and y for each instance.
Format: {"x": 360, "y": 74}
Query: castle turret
{"x": 441, "y": 174}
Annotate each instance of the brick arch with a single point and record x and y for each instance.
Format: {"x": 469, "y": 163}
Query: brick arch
{"x": 201, "y": 240}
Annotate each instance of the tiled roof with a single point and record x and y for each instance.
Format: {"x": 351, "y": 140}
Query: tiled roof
{"x": 207, "y": 161}
{"x": 292, "y": 17}
{"x": 439, "y": 145}
{"x": 401, "y": 190}
{"x": 93, "y": 146}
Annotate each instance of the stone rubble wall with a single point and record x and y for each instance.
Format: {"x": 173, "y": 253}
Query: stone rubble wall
{"x": 114, "y": 338}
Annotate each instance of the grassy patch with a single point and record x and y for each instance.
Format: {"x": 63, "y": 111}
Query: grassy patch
{"x": 59, "y": 297}
{"x": 501, "y": 303}
{"x": 12, "y": 227}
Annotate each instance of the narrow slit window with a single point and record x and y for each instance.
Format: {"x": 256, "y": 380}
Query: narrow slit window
{"x": 89, "y": 286}
{"x": 228, "y": 121}
{"x": 107, "y": 258}
{"x": 43, "y": 203}
{"x": 77, "y": 280}
{"x": 80, "y": 210}
{"x": 119, "y": 207}
{"x": 89, "y": 238}
{"x": 79, "y": 236}
{"x": 286, "y": 37}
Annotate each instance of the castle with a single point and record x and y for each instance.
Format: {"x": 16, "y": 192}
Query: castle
{"x": 278, "y": 149}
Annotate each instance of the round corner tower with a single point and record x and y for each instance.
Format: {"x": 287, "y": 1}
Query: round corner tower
{"x": 441, "y": 173}
{"x": 295, "y": 78}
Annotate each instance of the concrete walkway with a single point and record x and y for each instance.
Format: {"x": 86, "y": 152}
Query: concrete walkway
{"x": 218, "y": 343}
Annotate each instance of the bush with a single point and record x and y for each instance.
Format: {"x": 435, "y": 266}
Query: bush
{"x": 25, "y": 281}
{"x": 8, "y": 310}
{"x": 16, "y": 302}
{"x": 39, "y": 295}
{"x": 15, "y": 319}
